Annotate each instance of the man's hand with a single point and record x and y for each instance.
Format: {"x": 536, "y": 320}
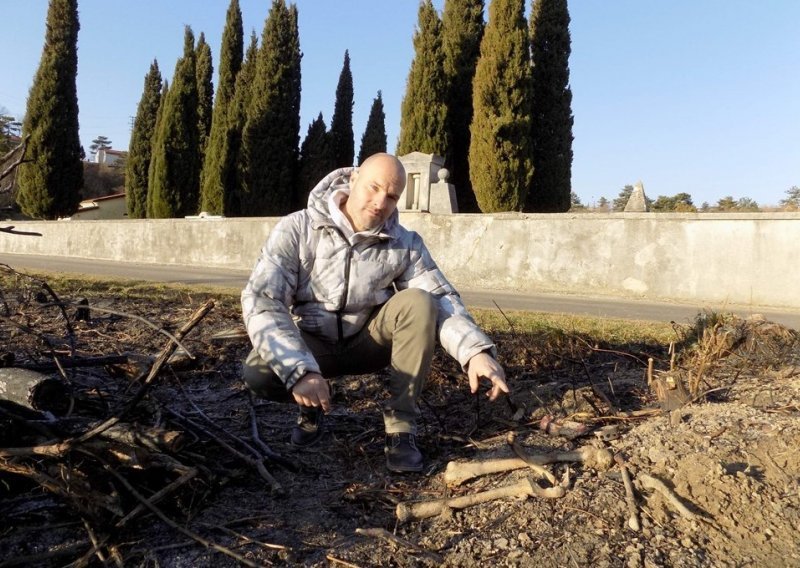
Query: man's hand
{"x": 312, "y": 390}
{"x": 485, "y": 366}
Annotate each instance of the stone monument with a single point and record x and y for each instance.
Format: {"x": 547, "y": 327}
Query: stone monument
{"x": 427, "y": 188}
{"x": 637, "y": 202}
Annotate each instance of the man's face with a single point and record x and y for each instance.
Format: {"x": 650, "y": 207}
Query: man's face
{"x": 375, "y": 189}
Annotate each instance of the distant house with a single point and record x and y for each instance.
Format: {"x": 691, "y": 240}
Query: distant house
{"x": 108, "y": 156}
{"x": 108, "y": 207}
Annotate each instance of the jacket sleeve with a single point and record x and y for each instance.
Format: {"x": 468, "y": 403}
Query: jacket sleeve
{"x": 458, "y": 333}
{"x": 266, "y": 300}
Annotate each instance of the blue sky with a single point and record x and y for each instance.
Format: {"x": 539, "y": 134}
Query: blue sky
{"x": 695, "y": 96}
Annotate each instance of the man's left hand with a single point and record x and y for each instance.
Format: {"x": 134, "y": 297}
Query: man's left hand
{"x": 485, "y": 366}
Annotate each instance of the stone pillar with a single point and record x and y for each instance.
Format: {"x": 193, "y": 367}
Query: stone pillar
{"x": 443, "y": 194}
{"x": 637, "y": 202}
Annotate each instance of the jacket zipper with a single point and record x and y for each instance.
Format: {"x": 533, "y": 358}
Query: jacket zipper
{"x": 343, "y": 302}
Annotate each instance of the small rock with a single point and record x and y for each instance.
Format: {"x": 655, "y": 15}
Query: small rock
{"x": 501, "y": 543}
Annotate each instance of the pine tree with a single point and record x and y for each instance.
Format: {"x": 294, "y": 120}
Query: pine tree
{"x": 174, "y": 167}
{"x": 204, "y": 69}
{"x": 551, "y": 120}
{"x": 139, "y": 149}
{"x": 99, "y": 143}
{"x": 424, "y": 110}
{"x": 272, "y": 132}
{"x": 218, "y": 176}
{"x": 316, "y": 159}
{"x": 500, "y": 164}
{"x": 374, "y": 138}
{"x": 462, "y": 30}
{"x": 50, "y": 184}
{"x": 342, "y": 142}
{"x": 236, "y": 196}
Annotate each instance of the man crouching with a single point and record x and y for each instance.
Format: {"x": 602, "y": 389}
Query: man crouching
{"x": 341, "y": 288}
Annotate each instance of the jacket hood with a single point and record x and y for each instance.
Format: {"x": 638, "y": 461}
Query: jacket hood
{"x": 318, "y": 200}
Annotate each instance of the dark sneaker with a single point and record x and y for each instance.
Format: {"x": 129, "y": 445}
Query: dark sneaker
{"x": 402, "y": 454}
{"x": 308, "y": 429}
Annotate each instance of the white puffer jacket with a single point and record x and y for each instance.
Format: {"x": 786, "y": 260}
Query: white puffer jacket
{"x": 309, "y": 276}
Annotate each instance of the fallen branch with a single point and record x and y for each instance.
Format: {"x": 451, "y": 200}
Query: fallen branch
{"x": 424, "y": 509}
{"x": 457, "y": 473}
{"x": 630, "y": 498}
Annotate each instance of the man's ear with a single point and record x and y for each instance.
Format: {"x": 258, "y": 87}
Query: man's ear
{"x": 353, "y": 177}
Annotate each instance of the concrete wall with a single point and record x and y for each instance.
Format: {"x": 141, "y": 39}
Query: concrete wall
{"x": 748, "y": 259}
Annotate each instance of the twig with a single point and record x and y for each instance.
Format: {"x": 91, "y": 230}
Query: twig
{"x": 508, "y": 321}
{"x": 265, "y": 449}
{"x": 244, "y": 537}
{"x": 342, "y": 562}
{"x": 258, "y": 464}
{"x": 383, "y": 534}
{"x": 543, "y": 472}
{"x": 158, "y": 496}
{"x": 630, "y": 499}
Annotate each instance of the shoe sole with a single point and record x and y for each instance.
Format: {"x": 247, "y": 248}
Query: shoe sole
{"x": 405, "y": 469}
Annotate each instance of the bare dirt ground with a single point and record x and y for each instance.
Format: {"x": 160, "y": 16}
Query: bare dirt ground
{"x": 729, "y": 459}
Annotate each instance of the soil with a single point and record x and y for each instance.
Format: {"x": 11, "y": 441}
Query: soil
{"x": 728, "y": 454}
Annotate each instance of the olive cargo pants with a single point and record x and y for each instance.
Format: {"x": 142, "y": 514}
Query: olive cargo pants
{"x": 400, "y": 335}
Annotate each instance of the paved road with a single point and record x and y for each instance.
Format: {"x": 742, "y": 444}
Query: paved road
{"x": 603, "y": 307}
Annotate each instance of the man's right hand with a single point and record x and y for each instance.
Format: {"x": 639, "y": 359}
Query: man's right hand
{"x": 312, "y": 390}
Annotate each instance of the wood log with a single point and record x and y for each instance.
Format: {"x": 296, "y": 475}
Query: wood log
{"x": 525, "y": 488}
{"x": 34, "y": 390}
{"x": 457, "y": 473}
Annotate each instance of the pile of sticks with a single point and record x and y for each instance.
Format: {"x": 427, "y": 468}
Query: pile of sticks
{"x": 107, "y": 449}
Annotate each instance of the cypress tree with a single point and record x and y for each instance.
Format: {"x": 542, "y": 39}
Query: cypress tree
{"x": 218, "y": 177}
{"x": 236, "y": 195}
{"x": 374, "y": 138}
{"x": 462, "y": 30}
{"x": 139, "y": 150}
{"x": 174, "y": 167}
{"x": 316, "y": 159}
{"x": 551, "y": 121}
{"x": 156, "y": 128}
{"x": 204, "y": 69}
{"x": 341, "y": 135}
{"x": 424, "y": 110}
{"x": 500, "y": 164}
{"x": 272, "y": 132}
{"x": 50, "y": 184}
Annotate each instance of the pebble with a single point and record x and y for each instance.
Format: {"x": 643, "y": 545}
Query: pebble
{"x": 501, "y": 543}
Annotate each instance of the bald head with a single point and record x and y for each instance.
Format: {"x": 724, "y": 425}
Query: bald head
{"x": 375, "y": 189}
{"x": 386, "y": 164}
